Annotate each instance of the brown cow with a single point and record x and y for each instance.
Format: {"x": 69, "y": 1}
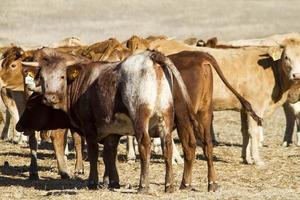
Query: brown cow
{"x": 11, "y": 76}
{"x": 100, "y": 97}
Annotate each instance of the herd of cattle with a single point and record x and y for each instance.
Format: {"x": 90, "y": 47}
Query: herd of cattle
{"x": 147, "y": 88}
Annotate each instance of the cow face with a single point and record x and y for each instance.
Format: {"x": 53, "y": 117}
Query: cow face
{"x": 57, "y": 69}
{"x": 290, "y": 60}
{"x": 11, "y": 68}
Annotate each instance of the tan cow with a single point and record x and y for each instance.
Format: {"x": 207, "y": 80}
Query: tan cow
{"x": 253, "y": 73}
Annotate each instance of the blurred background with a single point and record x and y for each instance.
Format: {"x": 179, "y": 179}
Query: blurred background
{"x": 41, "y": 22}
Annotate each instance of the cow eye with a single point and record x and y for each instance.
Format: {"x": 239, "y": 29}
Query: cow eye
{"x": 62, "y": 77}
{"x": 285, "y": 57}
{"x": 13, "y": 65}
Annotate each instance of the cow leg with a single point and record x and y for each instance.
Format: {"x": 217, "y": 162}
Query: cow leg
{"x": 111, "y": 176}
{"x": 260, "y": 136}
{"x": 165, "y": 128}
{"x": 93, "y": 152}
{"x": 176, "y": 158}
{"x": 156, "y": 143}
{"x": 130, "y": 149}
{"x": 290, "y": 123}
{"x": 33, "y": 169}
{"x": 204, "y": 120}
{"x": 246, "y": 155}
{"x": 213, "y": 135}
{"x": 141, "y": 123}
{"x": 188, "y": 141}
{"x": 57, "y": 137}
{"x": 254, "y": 137}
{"x": 78, "y": 140}
{"x": 298, "y": 130}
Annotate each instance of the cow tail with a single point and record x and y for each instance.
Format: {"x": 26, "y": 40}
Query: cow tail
{"x": 246, "y": 104}
{"x": 164, "y": 61}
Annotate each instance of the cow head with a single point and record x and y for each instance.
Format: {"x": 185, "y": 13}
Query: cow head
{"x": 289, "y": 57}
{"x": 11, "y": 68}
{"x": 56, "y": 71}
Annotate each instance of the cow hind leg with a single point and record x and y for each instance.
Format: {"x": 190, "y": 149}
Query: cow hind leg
{"x": 188, "y": 141}
{"x": 246, "y": 147}
{"x": 204, "y": 120}
{"x": 254, "y": 139}
{"x": 165, "y": 128}
{"x": 111, "y": 176}
{"x": 141, "y": 124}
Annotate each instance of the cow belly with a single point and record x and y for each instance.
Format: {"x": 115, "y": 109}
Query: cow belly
{"x": 122, "y": 125}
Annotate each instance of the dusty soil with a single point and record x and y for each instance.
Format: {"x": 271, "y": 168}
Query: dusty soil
{"x": 278, "y": 179}
{"x": 42, "y": 22}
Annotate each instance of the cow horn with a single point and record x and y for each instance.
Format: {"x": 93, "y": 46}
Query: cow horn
{"x": 33, "y": 64}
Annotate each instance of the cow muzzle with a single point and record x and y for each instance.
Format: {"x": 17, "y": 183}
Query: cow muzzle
{"x": 295, "y": 76}
{"x": 51, "y": 99}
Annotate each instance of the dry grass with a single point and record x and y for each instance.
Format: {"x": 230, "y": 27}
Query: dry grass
{"x": 279, "y": 179}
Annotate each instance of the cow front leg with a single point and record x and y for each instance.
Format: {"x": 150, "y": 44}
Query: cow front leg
{"x": 33, "y": 169}
{"x": 176, "y": 157}
{"x": 93, "y": 152}
{"x": 78, "y": 140}
{"x": 58, "y": 141}
{"x": 290, "y": 123}
{"x": 111, "y": 176}
{"x": 298, "y": 130}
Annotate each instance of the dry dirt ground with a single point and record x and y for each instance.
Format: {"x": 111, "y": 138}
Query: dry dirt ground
{"x": 278, "y": 179}
{"x": 42, "y": 22}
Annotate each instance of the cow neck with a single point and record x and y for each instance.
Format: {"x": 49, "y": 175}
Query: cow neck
{"x": 281, "y": 79}
{"x": 80, "y": 85}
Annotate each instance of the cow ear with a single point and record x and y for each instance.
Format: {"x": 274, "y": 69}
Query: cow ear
{"x": 73, "y": 71}
{"x": 275, "y": 53}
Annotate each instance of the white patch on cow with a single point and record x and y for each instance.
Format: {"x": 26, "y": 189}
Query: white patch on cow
{"x": 295, "y": 107}
{"x": 292, "y": 54}
{"x": 141, "y": 84}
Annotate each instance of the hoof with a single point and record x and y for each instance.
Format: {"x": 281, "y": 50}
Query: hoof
{"x": 114, "y": 185}
{"x": 169, "y": 189}
{"x": 185, "y": 187}
{"x": 248, "y": 161}
{"x": 260, "y": 163}
{"x": 143, "y": 190}
{"x": 213, "y": 187}
{"x": 79, "y": 172}
{"x": 64, "y": 175}
{"x": 33, "y": 177}
{"x": 92, "y": 185}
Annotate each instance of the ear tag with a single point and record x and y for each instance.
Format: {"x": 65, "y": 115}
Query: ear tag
{"x": 75, "y": 74}
{"x": 276, "y": 56}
